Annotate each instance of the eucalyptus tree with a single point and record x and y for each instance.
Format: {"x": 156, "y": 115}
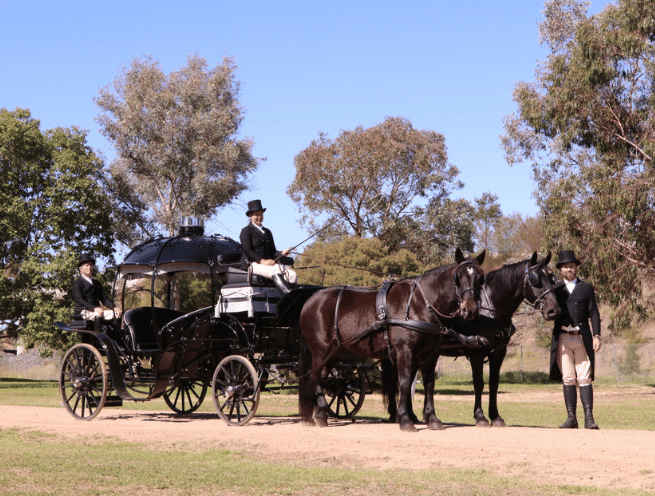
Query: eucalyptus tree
{"x": 372, "y": 181}
{"x": 176, "y": 137}
{"x": 586, "y": 124}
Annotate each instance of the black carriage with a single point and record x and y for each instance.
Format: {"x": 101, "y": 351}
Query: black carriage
{"x": 196, "y": 320}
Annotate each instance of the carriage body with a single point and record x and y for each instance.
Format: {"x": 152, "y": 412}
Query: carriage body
{"x": 194, "y": 320}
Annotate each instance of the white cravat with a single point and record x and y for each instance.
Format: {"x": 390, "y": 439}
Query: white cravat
{"x": 261, "y": 228}
{"x": 570, "y": 285}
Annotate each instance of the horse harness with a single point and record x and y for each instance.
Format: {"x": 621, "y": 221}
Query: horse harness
{"x": 384, "y": 321}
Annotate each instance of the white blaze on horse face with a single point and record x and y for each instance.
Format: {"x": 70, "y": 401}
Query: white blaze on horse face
{"x": 470, "y": 271}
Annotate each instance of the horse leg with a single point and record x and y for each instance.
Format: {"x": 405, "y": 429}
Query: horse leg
{"x": 321, "y": 408}
{"x": 477, "y": 362}
{"x": 429, "y": 413}
{"x": 495, "y": 362}
{"x": 390, "y": 389}
{"x": 306, "y": 388}
{"x": 405, "y": 379}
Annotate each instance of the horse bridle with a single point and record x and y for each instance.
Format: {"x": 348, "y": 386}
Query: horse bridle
{"x": 531, "y": 279}
{"x": 458, "y": 292}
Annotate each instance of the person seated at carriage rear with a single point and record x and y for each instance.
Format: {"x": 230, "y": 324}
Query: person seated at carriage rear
{"x": 573, "y": 346}
{"x": 88, "y": 295}
{"x": 259, "y": 249}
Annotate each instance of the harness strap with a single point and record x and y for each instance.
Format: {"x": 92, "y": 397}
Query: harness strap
{"x": 381, "y": 307}
{"x": 381, "y": 300}
{"x": 336, "y": 316}
{"x": 411, "y": 295}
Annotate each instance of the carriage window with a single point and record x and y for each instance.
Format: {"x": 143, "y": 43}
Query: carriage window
{"x": 192, "y": 291}
{"x": 137, "y": 288}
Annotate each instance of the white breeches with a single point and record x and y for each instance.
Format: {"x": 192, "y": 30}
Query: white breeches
{"x": 268, "y": 271}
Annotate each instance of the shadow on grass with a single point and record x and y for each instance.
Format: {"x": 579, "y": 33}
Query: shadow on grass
{"x": 524, "y": 378}
{"x": 27, "y": 383}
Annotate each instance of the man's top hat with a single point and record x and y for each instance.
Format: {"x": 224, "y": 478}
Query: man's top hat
{"x": 566, "y": 256}
{"x": 84, "y": 258}
{"x": 255, "y": 206}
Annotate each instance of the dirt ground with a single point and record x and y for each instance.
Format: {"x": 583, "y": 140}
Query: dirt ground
{"x": 614, "y": 459}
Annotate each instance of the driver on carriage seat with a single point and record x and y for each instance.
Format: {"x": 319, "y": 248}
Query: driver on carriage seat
{"x": 88, "y": 293}
{"x": 259, "y": 249}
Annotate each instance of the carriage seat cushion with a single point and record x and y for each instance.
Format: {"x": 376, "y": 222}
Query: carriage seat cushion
{"x": 139, "y": 322}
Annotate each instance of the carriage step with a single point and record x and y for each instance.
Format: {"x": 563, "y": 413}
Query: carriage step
{"x": 113, "y": 401}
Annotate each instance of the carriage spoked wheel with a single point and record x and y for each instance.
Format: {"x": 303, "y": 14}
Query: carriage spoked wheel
{"x": 235, "y": 390}
{"x": 345, "y": 389}
{"x": 186, "y": 396}
{"x": 83, "y": 382}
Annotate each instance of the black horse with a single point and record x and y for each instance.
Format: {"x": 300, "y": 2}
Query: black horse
{"x": 503, "y": 292}
{"x": 403, "y": 320}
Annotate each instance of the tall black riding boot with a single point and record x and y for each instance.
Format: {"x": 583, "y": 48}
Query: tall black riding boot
{"x": 281, "y": 283}
{"x": 571, "y": 400}
{"x": 587, "y": 400}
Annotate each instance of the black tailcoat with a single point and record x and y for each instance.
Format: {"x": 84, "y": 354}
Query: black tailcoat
{"x": 577, "y": 309}
{"x": 88, "y": 296}
{"x": 257, "y": 245}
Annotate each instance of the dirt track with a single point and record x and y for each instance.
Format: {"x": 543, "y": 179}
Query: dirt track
{"x": 605, "y": 458}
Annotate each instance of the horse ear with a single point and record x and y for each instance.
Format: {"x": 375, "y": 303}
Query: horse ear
{"x": 459, "y": 256}
{"x": 533, "y": 260}
{"x": 480, "y": 257}
{"x": 547, "y": 259}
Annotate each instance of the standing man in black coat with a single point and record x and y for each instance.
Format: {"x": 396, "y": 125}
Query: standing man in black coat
{"x": 259, "y": 248}
{"x": 573, "y": 348}
{"x": 88, "y": 294}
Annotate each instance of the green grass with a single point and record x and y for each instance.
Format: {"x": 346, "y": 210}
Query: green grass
{"x": 453, "y": 400}
{"x": 38, "y": 463}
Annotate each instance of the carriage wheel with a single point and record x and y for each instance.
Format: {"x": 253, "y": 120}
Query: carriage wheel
{"x": 235, "y": 390}
{"x": 83, "y": 382}
{"x": 186, "y": 396}
{"x": 344, "y": 389}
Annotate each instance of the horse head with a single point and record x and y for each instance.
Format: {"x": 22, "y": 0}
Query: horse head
{"x": 540, "y": 282}
{"x": 468, "y": 278}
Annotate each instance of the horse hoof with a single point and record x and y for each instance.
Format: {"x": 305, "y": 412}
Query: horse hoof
{"x": 407, "y": 427}
{"x": 320, "y": 422}
{"x": 482, "y": 423}
{"x": 435, "y": 425}
{"x": 498, "y": 423}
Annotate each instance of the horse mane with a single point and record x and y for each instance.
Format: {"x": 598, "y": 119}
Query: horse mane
{"x": 506, "y": 273}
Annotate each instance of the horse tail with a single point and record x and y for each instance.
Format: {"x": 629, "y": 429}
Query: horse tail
{"x": 389, "y": 387}
{"x": 306, "y": 397}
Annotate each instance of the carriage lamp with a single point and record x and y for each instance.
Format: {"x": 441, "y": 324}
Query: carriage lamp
{"x": 192, "y": 226}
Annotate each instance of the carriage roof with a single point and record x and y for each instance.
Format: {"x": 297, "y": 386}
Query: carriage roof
{"x": 190, "y": 250}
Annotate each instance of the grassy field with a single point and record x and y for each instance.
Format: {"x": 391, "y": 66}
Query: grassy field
{"x": 40, "y": 463}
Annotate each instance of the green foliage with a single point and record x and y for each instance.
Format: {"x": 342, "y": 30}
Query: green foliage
{"x": 367, "y": 181}
{"x": 631, "y": 363}
{"x": 487, "y": 216}
{"x": 586, "y": 126}
{"x": 51, "y": 209}
{"x": 356, "y": 262}
{"x": 195, "y": 293}
{"x": 434, "y": 232}
{"x": 176, "y": 136}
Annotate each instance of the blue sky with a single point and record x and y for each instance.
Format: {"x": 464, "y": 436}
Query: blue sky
{"x": 305, "y": 67}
